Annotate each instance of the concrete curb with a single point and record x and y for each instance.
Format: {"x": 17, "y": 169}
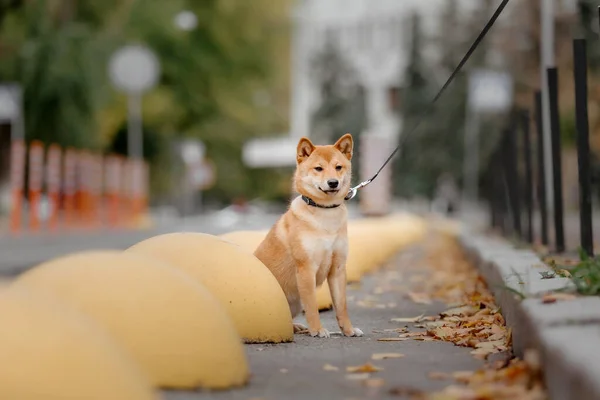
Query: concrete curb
{"x": 566, "y": 333}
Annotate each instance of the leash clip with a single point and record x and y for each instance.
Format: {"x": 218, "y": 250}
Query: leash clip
{"x": 353, "y": 191}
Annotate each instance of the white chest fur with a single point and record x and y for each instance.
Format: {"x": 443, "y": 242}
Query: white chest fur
{"x": 326, "y": 239}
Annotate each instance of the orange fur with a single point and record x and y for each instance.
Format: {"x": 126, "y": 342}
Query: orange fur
{"x": 309, "y": 245}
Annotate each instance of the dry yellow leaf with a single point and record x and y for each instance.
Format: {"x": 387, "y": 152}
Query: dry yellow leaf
{"x": 358, "y": 377}
{"x": 462, "y": 376}
{"x": 368, "y": 367}
{"x": 374, "y": 382}
{"x": 409, "y": 319}
{"x": 383, "y": 356}
{"x": 554, "y": 297}
{"x": 564, "y": 272}
{"x": 460, "y": 311}
{"x": 329, "y": 367}
{"x": 439, "y": 375}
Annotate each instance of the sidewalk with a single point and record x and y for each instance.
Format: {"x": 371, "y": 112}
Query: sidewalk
{"x": 563, "y": 328}
{"x": 315, "y": 368}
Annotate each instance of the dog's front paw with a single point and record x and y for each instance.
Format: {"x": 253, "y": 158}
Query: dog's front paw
{"x": 354, "y": 332}
{"x": 324, "y": 333}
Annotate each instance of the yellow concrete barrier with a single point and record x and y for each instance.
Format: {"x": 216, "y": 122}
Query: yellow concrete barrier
{"x": 247, "y": 289}
{"x": 371, "y": 243}
{"x": 324, "y": 300}
{"x": 176, "y": 330}
{"x": 374, "y": 241}
{"x": 248, "y": 240}
{"x": 50, "y": 351}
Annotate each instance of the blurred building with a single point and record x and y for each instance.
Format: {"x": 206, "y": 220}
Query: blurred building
{"x": 373, "y": 37}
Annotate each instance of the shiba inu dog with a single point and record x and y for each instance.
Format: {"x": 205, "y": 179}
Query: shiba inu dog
{"x": 309, "y": 243}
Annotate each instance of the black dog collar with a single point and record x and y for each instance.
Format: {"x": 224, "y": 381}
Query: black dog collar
{"x": 311, "y": 202}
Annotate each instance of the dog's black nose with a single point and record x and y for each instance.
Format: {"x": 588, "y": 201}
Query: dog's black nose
{"x": 333, "y": 183}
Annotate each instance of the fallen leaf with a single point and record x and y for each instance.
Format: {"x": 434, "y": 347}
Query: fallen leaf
{"x": 425, "y": 339}
{"x": 383, "y": 356}
{"x": 399, "y": 330}
{"x": 554, "y": 297}
{"x": 460, "y": 311}
{"x": 413, "y": 334}
{"x": 564, "y": 272}
{"x": 409, "y": 319}
{"x": 392, "y": 339}
{"x": 514, "y": 380}
{"x": 406, "y": 391}
{"x": 329, "y": 367}
{"x": 368, "y": 367}
{"x": 439, "y": 375}
{"x": 462, "y": 376}
{"x": 481, "y": 353}
{"x": 374, "y": 382}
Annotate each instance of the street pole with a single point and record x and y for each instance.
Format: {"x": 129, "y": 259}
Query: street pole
{"x": 471, "y": 157}
{"x": 135, "y": 137}
{"x": 547, "y": 61}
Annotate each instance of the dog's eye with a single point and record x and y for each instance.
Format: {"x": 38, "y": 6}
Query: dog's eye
{"x": 338, "y": 168}
{"x": 318, "y": 169}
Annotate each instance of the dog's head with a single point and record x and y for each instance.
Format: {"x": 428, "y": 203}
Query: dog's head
{"x": 324, "y": 173}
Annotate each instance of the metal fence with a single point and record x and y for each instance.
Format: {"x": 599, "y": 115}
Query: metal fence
{"x": 516, "y": 187}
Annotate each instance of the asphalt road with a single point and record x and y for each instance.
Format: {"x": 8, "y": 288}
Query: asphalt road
{"x": 20, "y": 253}
{"x": 295, "y": 370}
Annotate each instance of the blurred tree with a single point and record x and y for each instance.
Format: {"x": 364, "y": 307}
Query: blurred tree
{"x": 410, "y": 174}
{"x": 588, "y": 28}
{"x": 58, "y": 50}
{"x": 342, "y": 106}
{"x": 437, "y": 146}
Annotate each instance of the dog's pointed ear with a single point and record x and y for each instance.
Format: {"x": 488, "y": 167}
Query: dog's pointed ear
{"x": 345, "y": 145}
{"x": 304, "y": 149}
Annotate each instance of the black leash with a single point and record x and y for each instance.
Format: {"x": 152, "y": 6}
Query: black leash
{"x": 428, "y": 109}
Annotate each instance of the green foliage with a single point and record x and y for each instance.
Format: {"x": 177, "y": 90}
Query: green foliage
{"x": 58, "y": 51}
{"x": 436, "y": 146}
{"x": 586, "y": 275}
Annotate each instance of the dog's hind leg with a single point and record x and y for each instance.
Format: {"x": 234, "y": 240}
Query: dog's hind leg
{"x": 296, "y": 309}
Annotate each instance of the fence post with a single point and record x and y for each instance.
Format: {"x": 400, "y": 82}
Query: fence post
{"x": 583, "y": 145}
{"x": 500, "y": 187}
{"x": 541, "y": 169}
{"x": 493, "y": 191}
{"x": 559, "y": 234}
{"x": 512, "y": 177}
{"x": 528, "y": 174}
